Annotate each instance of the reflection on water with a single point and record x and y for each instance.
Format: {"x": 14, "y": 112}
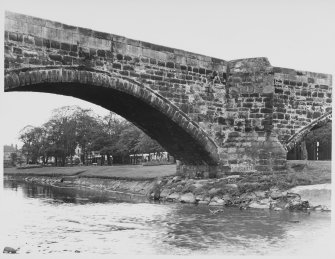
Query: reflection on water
{"x": 41, "y": 219}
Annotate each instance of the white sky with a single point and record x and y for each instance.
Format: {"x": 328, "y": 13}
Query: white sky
{"x": 292, "y": 34}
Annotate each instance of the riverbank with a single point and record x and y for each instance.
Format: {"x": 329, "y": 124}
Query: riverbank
{"x": 117, "y": 172}
{"x": 161, "y": 184}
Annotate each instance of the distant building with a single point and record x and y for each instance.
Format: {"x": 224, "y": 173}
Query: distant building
{"x": 7, "y": 151}
{"x": 158, "y": 157}
{"x": 92, "y": 158}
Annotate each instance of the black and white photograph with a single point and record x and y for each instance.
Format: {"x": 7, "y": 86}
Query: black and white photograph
{"x": 167, "y": 128}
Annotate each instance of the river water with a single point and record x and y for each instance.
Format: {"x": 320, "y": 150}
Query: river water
{"x": 42, "y": 220}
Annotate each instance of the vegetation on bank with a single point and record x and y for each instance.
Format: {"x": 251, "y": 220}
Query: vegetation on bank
{"x": 71, "y": 126}
{"x": 299, "y": 173}
{"x": 131, "y": 172}
{"x": 161, "y": 183}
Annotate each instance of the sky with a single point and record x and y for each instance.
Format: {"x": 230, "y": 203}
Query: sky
{"x": 293, "y": 34}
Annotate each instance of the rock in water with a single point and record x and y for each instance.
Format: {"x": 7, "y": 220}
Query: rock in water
{"x": 298, "y": 205}
{"x": 276, "y": 194}
{"x": 9, "y": 250}
{"x": 203, "y": 202}
{"x": 173, "y": 196}
{"x": 215, "y": 211}
{"x": 164, "y": 193}
{"x": 319, "y": 194}
{"x": 256, "y": 205}
{"x": 187, "y": 198}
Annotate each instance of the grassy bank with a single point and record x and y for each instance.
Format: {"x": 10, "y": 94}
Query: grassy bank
{"x": 309, "y": 172}
{"x": 135, "y": 172}
{"x": 299, "y": 173}
{"x": 161, "y": 183}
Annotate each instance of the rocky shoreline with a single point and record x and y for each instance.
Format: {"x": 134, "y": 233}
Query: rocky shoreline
{"x": 227, "y": 192}
{"x": 215, "y": 193}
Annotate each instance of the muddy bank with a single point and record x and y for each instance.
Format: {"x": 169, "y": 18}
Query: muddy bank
{"x": 215, "y": 193}
{"x": 137, "y": 187}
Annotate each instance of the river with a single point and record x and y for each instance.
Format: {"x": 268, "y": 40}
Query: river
{"x": 43, "y": 219}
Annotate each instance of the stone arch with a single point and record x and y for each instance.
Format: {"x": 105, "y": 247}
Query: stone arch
{"x": 299, "y": 136}
{"x": 148, "y": 110}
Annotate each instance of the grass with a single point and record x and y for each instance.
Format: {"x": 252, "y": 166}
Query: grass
{"x": 309, "y": 172}
{"x": 299, "y": 173}
{"x": 135, "y": 172}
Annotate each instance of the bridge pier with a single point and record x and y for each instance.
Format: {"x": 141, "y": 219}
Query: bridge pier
{"x": 197, "y": 171}
{"x": 259, "y": 158}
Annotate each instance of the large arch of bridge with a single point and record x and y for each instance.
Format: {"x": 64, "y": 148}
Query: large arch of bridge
{"x": 151, "y": 112}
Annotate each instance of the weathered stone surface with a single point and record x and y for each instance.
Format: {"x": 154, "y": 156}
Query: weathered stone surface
{"x": 9, "y": 250}
{"x": 219, "y": 118}
{"x": 276, "y": 194}
{"x": 199, "y": 197}
{"x": 213, "y": 191}
{"x": 298, "y": 205}
{"x": 260, "y": 194}
{"x": 257, "y": 205}
{"x": 248, "y": 196}
{"x": 217, "y": 201}
{"x": 164, "y": 193}
{"x": 176, "y": 179}
{"x": 187, "y": 198}
{"x": 214, "y": 203}
{"x": 277, "y": 209}
{"x": 231, "y": 186}
{"x": 203, "y": 202}
{"x": 173, "y": 196}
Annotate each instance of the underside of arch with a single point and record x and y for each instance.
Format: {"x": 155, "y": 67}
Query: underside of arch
{"x": 152, "y": 113}
{"x": 299, "y": 136}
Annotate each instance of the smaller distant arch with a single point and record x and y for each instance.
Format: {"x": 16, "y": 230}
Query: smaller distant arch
{"x": 299, "y": 136}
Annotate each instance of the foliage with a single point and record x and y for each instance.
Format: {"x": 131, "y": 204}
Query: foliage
{"x": 322, "y": 135}
{"x": 13, "y": 158}
{"x": 71, "y": 126}
{"x": 146, "y": 144}
{"x": 33, "y": 139}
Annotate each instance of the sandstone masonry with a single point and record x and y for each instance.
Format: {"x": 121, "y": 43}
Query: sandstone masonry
{"x": 218, "y": 117}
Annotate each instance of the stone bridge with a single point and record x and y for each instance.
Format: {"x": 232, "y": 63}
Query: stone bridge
{"x": 217, "y": 117}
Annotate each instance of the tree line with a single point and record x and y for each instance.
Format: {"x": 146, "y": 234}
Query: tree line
{"x": 71, "y": 126}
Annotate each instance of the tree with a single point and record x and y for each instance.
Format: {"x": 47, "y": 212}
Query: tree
{"x": 32, "y": 142}
{"x": 72, "y": 126}
{"x": 112, "y": 127}
{"x": 13, "y": 158}
{"x": 323, "y": 135}
{"x": 127, "y": 141}
{"x": 61, "y": 130}
{"x": 88, "y": 129}
{"x": 145, "y": 144}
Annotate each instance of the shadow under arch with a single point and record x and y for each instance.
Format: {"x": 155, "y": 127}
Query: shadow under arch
{"x": 155, "y": 115}
{"x": 299, "y": 136}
